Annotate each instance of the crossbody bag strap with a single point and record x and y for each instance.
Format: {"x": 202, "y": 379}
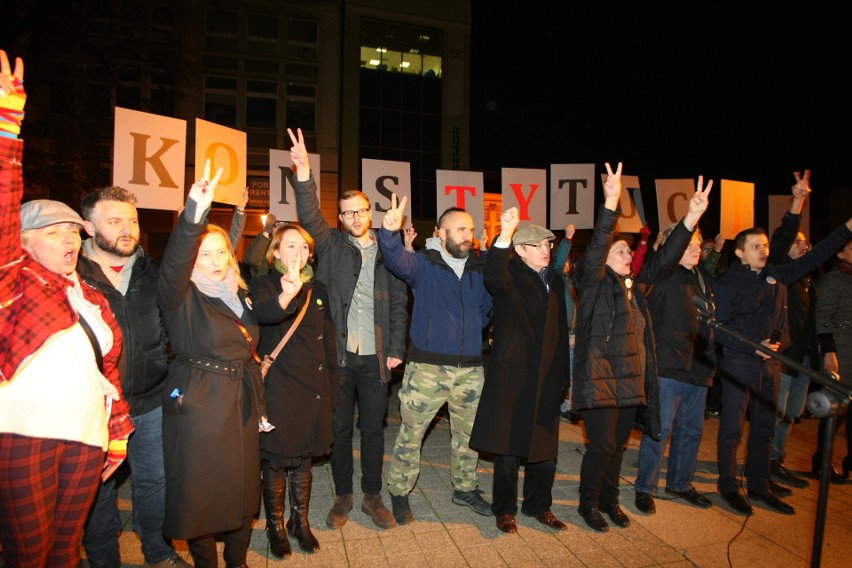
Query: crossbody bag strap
{"x": 96, "y": 346}
{"x": 248, "y": 337}
{"x": 293, "y": 327}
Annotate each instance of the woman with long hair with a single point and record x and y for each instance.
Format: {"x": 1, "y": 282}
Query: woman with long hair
{"x": 213, "y": 397}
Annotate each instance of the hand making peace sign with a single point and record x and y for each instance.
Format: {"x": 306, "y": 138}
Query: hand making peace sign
{"x": 395, "y": 215}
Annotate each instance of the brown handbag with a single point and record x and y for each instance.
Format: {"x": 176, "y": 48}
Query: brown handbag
{"x": 269, "y": 359}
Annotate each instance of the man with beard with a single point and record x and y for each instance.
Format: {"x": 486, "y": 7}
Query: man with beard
{"x": 113, "y": 263}
{"x": 451, "y": 308}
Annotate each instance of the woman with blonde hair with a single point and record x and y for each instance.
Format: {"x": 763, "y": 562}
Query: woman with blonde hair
{"x": 213, "y": 399}
{"x": 302, "y": 385}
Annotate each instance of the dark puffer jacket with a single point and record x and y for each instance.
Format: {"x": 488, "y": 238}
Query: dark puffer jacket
{"x": 607, "y": 364}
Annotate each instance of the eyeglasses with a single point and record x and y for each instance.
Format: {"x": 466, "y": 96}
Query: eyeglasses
{"x": 352, "y": 212}
{"x": 707, "y": 249}
{"x": 547, "y": 245}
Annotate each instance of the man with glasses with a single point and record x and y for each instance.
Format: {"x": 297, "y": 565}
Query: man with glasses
{"x": 369, "y": 307}
{"x": 518, "y": 418}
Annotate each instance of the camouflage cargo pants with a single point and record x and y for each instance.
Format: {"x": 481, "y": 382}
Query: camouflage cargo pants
{"x": 425, "y": 389}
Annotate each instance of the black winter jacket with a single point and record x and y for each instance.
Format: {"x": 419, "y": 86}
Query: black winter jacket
{"x": 337, "y": 266}
{"x": 143, "y": 364}
{"x": 607, "y": 363}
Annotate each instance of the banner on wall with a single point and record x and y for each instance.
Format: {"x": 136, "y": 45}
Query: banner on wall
{"x": 382, "y": 178}
{"x": 282, "y": 201}
{"x": 737, "y": 207}
{"x": 462, "y": 189}
{"x": 226, "y": 148}
{"x": 779, "y": 205}
{"x": 526, "y": 189}
{"x": 149, "y": 158}
{"x": 673, "y": 197}
{"x": 572, "y": 196}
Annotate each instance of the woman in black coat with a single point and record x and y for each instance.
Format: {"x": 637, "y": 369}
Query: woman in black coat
{"x": 615, "y": 373}
{"x": 302, "y": 385}
{"x": 213, "y": 396}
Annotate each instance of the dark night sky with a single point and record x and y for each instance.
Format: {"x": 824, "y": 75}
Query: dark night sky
{"x": 673, "y": 92}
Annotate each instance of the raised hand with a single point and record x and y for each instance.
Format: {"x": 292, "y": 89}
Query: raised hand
{"x": 202, "y": 191}
{"x": 509, "y": 221}
{"x": 299, "y": 155}
{"x": 719, "y": 242}
{"x": 569, "y": 231}
{"x": 291, "y": 281}
{"x": 698, "y": 203}
{"x": 612, "y": 187}
{"x": 483, "y": 239}
{"x": 394, "y": 216}
{"x": 408, "y": 238}
{"x": 802, "y": 187}
{"x": 12, "y": 96}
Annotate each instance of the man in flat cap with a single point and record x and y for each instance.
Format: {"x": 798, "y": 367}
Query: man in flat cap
{"x": 518, "y": 415}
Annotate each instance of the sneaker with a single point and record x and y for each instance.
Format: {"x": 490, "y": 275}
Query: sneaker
{"x": 173, "y": 560}
{"x": 474, "y": 500}
{"x": 373, "y": 506}
{"x": 401, "y": 509}
{"x": 339, "y": 513}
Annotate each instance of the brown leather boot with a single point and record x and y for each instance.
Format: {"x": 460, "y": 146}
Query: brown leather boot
{"x": 380, "y": 514}
{"x": 339, "y": 512}
{"x": 274, "y": 493}
{"x": 300, "y": 500}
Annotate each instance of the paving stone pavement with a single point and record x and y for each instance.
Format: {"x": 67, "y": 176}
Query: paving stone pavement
{"x": 448, "y": 535}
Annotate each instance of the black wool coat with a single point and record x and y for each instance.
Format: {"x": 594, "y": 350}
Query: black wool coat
{"x": 303, "y": 384}
{"x": 210, "y": 420}
{"x": 518, "y": 412}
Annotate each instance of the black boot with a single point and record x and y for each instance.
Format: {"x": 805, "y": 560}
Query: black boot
{"x": 274, "y": 494}
{"x": 300, "y": 500}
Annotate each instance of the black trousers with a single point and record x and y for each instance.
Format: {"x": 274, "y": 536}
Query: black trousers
{"x": 538, "y": 486}
{"x": 749, "y": 386}
{"x": 203, "y": 548}
{"x": 607, "y": 430}
{"x": 360, "y": 377}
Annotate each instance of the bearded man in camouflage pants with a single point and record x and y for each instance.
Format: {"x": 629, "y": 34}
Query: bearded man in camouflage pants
{"x": 451, "y": 308}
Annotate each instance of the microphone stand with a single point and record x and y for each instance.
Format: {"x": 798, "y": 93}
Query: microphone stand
{"x": 826, "y": 405}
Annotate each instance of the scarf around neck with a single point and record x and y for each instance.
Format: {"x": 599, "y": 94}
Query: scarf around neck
{"x": 226, "y": 289}
{"x": 306, "y": 274}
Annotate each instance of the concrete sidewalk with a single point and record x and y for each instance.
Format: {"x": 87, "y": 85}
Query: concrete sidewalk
{"x": 448, "y": 535}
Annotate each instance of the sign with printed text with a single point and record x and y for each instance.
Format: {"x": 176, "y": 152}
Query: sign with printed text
{"x": 526, "y": 189}
{"x": 629, "y": 221}
{"x": 382, "y": 178}
{"x": 282, "y": 202}
{"x": 149, "y": 158}
{"x": 572, "y": 196}
{"x": 779, "y": 205}
{"x": 226, "y": 149}
{"x": 737, "y": 207}
{"x": 462, "y": 189}
{"x": 673, "y": 197}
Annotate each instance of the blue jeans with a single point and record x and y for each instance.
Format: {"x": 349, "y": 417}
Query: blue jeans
{"x": 148, "y": 494}
{"x": 792, "y": 397}
{"x": 682, "y": 417}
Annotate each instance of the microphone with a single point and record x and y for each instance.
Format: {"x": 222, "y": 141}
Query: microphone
{"x": 703, "y": 305}
{"x": 775, "y": 337}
